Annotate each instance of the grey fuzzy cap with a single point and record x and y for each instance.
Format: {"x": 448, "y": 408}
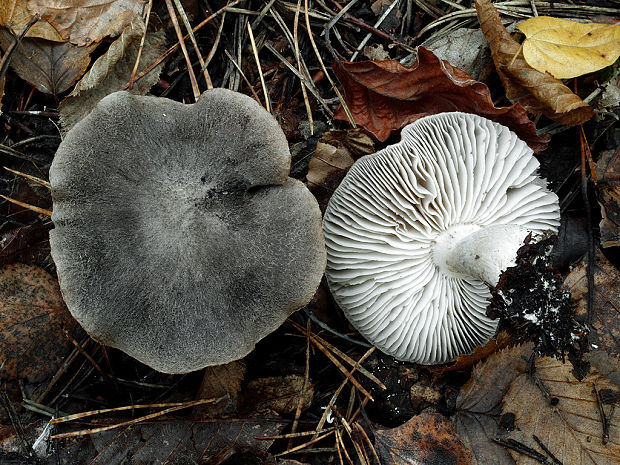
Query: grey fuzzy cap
{"x": 179, "y": 237}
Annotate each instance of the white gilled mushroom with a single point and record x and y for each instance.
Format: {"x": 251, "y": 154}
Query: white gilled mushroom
{"x": 179, "y": 237}
{"x": 417, "y": 232}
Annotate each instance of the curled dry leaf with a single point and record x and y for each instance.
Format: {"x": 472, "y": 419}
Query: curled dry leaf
{"x": 326, "y": 170}
{"x": 280, "y": 394}
{"x": 14, "y": 15}
{"x": 537, "y": 92}
{"x": 83, "y": 22}
{"x": 219, "y": 381}
{"x": 112, "y": 70}
{"x": 384, "y": 96}
{"x": 52, "y": 67}
{"x": 466, "y": 361}
{"x": 32, "y": 318}
{"x": 426, "y": 439}
{"x": 567, "y": 49}
{"x": 605, "y": 330}
{"x": 479, "y": 404}
{"x": 572, "y": 428}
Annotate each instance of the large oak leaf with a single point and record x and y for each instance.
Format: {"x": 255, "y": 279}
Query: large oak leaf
{"x": 384, "y": 96}
{"x": 537, "y": 92}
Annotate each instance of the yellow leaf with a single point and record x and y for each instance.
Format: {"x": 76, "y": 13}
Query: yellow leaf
{"x": 567, "y": 49}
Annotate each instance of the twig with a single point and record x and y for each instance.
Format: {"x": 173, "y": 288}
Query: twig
{"x": 181, "y": 41}
{"x": 547, "y": 451}
{"x": 34, "y": 208}
{"x": 177, "y": 406}
{"x": 304, "y": 386}
{"x": 299, "y": 68}
{"x": 146, "y": 26}
{"x": 385, "y": 14}
{"x": 6, "y": 58}
{"x": 260, "y": 69}
{"x": 176, "y": 46}
{"x": 188, "y": 27}
{"x": 40, "y": 181}
{"x": 601, "y": 411}
{"x": 318, "y": 55}
{"x": 304, "y": 445}
{"x": 523, "y": 449}
{"x": 236, "y": 65}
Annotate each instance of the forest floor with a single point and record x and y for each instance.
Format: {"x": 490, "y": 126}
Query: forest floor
{"x": 342, "y": 79}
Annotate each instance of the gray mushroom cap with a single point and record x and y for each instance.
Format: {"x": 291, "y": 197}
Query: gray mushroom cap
{"x": 416, "y": 234}
{"x": 179, "y": 237}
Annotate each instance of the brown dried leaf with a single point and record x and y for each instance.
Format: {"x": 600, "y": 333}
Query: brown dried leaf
{"x": 354, "y": 140}
{"x": 84, "y": 22}
{"x": 219, "y": 381}
{"x": 14, "y": 15}
{"x": 52, "y": 67}
{"x": 32, "y": 316}
{"x": 537, "y": 92}
{"x": 572, "y": 430}
{"x": 466, "y": 361}
{"x": 112, "y": 70}
{"x": 479, "y": 404}
{"x": 608, "y": 172}
{"x": 605, "y": 329}
{"x": 25, "y": 244}
{"x": 384, "y": 96}
{"x": 280, "y": 394}
{"x": 426, "y": 439}
{"x": 326, "y": 170}
{"x": 605, "y": 364}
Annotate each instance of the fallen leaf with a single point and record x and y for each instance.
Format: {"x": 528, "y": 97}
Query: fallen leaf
{"x": 384, "y": 96}
{"x": 426, "y": 439}
{"x": 112, "y": 70}
{"x": 173, "y": 440}
{"x": 466, "y": 361}
{"x": 84, "y": 22}
{"x": 464, "y": 48}
{"x": 33, "y": 315}
{"x": 537, "y": 92}
{"x": 219, "y": 381}
{"x": 608, "y": 193}
{"x": 25, "y": 244}
{"x": 479, "y": 404}
{"x": 52, "y": 67}
{"x": 567, "y": 49}
{"x": 607, "y": 365}
{"x": 14, "y": 15}
{"x": 354, "y": 140}
{"x": 279, "y": 394}
{"x": 326, "y": 170}
{"x": 605, "y": 330}
{"x": 572, "y": 430}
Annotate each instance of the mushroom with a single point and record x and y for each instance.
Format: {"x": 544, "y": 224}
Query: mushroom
{"x": 417, "y": 232}
{"x": 179, "y": 237}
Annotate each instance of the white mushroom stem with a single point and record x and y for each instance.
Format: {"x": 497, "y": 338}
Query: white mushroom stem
{"x": 470, "y": 251}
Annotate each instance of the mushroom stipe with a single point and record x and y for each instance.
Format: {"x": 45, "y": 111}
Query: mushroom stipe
{"x": 179, "y": 237}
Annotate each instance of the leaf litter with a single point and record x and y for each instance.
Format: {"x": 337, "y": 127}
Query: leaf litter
{"x": 455, "y": 414}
